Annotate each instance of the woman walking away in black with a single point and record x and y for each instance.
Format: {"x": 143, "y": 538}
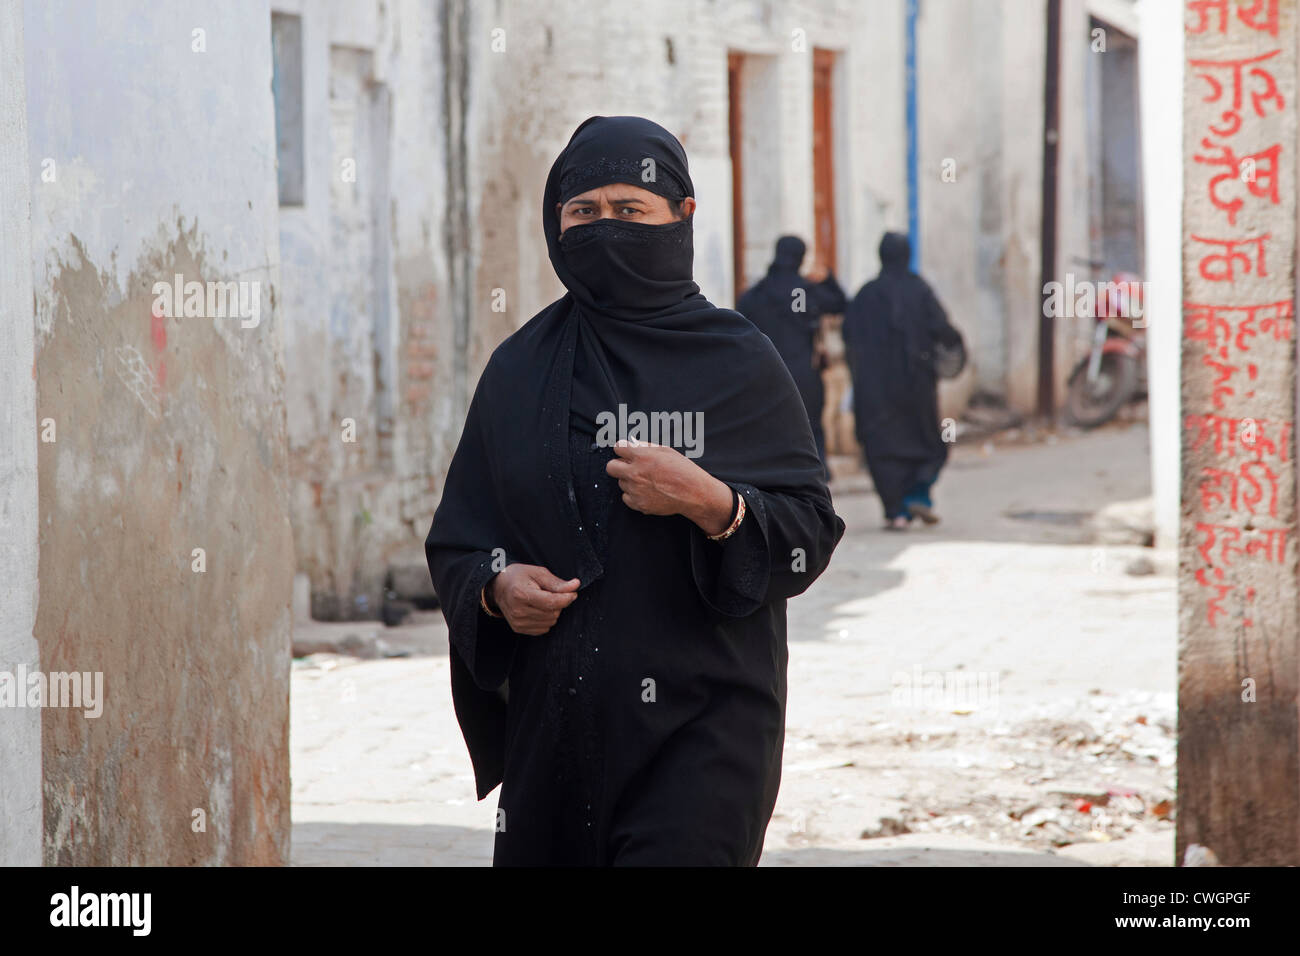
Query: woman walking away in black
{"x": 787, "y": 308}
{"x": 616, "y": 608}
{"x": 890, "y": 332}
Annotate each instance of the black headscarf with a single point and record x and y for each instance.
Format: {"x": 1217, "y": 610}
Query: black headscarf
{"x": 895, "y": 253}
{"x": 632, "y": 328}
{"x": 789, "y": 256}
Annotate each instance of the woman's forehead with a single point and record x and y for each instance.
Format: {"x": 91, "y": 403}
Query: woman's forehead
{"x": 615, "y": 193}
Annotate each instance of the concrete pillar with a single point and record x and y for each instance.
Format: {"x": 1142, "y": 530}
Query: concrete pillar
{"x": 20, "y": 728}
{"x": 1238, "y": 739}
{"x": 166, "y": 558}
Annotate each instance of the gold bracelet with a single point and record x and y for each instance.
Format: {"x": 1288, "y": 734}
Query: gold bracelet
{"x": 740, "y": 516}
{"x": 482, "y": 600}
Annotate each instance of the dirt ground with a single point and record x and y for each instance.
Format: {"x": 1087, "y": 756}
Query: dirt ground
{"x": 996, "y": 690}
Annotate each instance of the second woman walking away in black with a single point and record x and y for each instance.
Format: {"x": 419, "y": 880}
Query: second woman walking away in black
{"x": 890, "y": 332}
{"x": 791, "y": 322}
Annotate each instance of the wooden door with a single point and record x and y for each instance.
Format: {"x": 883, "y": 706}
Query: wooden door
{"x": 823, "y": 159}
{"x": 736, "y": 143}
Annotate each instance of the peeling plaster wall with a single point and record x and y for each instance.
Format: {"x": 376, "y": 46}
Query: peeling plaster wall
{"x": 368, "y": 324}
{"x": 20, "y": 729}
{"x": 152, "y": 158}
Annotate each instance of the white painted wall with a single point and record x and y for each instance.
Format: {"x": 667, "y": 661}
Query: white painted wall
{"x": 1160, "y": 66}
{"x": 20, "y": 729}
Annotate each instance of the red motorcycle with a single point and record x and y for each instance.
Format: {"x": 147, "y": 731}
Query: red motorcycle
{"x": 1114, "y": 371}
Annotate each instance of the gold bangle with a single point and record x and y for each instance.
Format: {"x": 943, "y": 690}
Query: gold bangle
{"x": 482, "y": 600}
{"x": 735, "y": 523}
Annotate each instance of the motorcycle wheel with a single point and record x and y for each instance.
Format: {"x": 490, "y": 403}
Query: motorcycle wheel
{"x": 1088, "y": 406}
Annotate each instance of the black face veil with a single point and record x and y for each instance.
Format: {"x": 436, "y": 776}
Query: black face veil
{"x": 616, "y": 269}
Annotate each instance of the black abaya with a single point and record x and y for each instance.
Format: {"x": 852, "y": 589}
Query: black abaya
{"x": 791, "y": 322}
{"x": 646, "y": 726}
{"x": 890, "y": 330}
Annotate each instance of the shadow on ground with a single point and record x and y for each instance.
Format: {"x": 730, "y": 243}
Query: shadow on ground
{"x": 911, "y": 856}
{"x": 386, "y": 844}
{"x": 380, "y": 844}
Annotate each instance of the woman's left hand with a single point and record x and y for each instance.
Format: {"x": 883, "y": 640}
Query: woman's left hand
{"x": 659, "y": 480}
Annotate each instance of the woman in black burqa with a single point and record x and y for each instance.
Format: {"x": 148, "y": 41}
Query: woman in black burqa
{"x": 631, "y": 698}
{"x": 791, "y": 321}
{"x": 890, "y": 331}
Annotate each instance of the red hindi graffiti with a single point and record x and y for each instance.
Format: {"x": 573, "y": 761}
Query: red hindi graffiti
{"x": 1220, "y": 390}
{"x": 1257, "y": 172}
{"x": 1250, "y": 488}
{"x": 1213, "y": 578}
{"x": 1222, "y": 333}
{"x": 1265, "y": 544}
{"x": 1256, "y": 14}
{"x": 1231, "y": 116}
{"x": 1221, "y": 267}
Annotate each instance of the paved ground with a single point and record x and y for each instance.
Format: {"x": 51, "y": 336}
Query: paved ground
{"x": 993, "y": 691}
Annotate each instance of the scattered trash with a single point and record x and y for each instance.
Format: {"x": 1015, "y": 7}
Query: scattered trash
{"x": 1092, "y": 769}
{"x": 886, "y": 827}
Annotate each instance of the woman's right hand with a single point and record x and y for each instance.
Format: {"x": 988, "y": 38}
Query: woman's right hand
{"x": 531, "y": 597}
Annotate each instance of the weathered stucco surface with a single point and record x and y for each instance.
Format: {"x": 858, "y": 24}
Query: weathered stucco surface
{"x": 1239, "y": 650}
{"x": 367, "y": 330}
{"x": 170, "y": 437}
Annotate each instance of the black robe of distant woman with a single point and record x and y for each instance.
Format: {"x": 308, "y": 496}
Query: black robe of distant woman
{"x": 791, "y": 323}
{"x": 647, "y": 726}
{"x": 889, "y": 333}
